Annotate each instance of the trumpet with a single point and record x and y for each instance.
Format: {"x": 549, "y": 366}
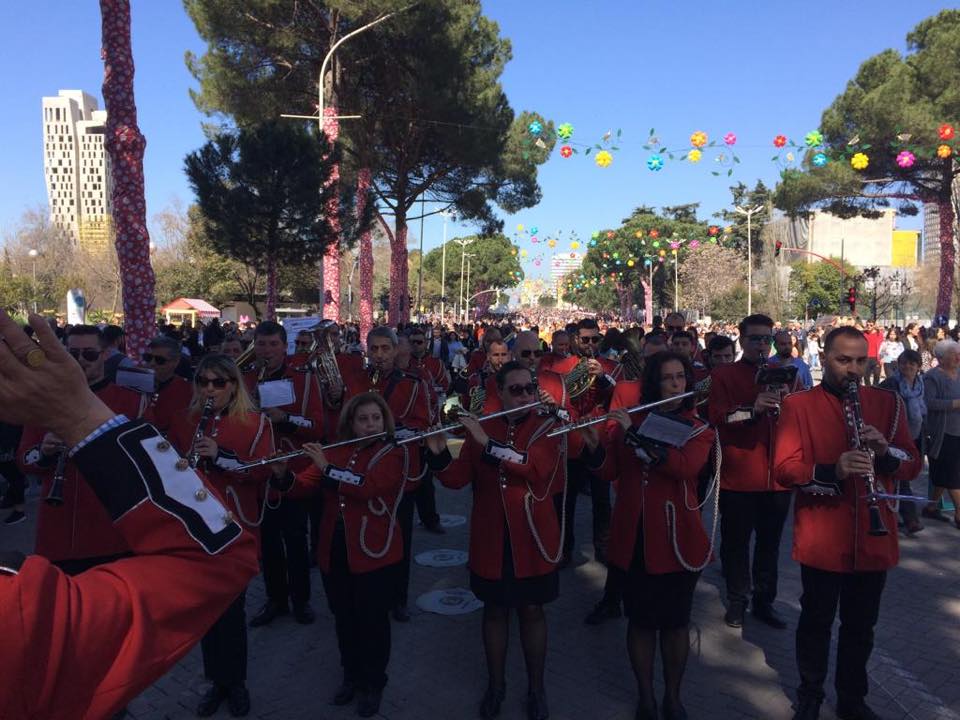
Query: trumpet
{"x": 283, "y": 457}
{"x": 603, "y": 418}
{"x": 54, "y": 498}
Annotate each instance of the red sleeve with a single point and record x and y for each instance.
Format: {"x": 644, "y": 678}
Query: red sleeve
{"x": 113, "y": 630}
{"x": 791, "y": 447}
{"x": 462, "y": 471}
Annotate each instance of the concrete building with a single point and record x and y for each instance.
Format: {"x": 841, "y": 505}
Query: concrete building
{"x": 77, "y": 168}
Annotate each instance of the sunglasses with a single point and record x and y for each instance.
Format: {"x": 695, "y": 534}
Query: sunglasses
{"x": 528, "y": 353}
{"x": 592, "y": 339}
{"x": 88, "y": 354}
{"x": 218, "y": 383}
{"x": 158, "y": 359}
{"x": 760, "y": 338}
{"x": 521, "y": 390}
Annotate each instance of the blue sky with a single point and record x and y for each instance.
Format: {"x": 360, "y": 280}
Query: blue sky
{"x": 757, "y": 69}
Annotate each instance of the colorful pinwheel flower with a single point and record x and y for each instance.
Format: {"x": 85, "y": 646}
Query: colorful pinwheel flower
{"x": 638, "y": 233}
{"x": 859, "y": 161}
{"x": 566, "y": 151}
{"x": 730, "y": 138}
{"x": 654, "y": 233}
{"x": 813, "y": 138}
{"x": 944, "y": 151}
{"x": 551, "y": 242}
{"x": 603, "y": 158}
{"x": 820, "y": 159}
{"x": 535, "y": 127}
{"x": 694, "y": 156}
{"x": 574, "y": 245}
{"x": 906, "y": 159}
{"x": 565, "y": 131}
{"x": 698, "y": 139}
{"x": 712, "y": 230}
{"x": 779, "y": 141}
{"x": 694, "y": 243}
{"x": 946, "y": 131}
{"x": 655, "y": 163}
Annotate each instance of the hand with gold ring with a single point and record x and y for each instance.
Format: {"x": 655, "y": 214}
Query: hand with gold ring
{"x": 42, "y": 385}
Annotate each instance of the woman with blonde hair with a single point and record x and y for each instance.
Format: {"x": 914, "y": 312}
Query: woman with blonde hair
{"x": 221, "y": 430}
{"x": 360, "y": 546}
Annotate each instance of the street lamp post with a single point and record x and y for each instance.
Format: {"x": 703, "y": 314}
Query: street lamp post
{"x": 749, "y": 212}
{"x": 463, "y": 256}
{"x": 466, "y": 317}
{"x": 443, "y": 265}
{"x": 33, "y": 256}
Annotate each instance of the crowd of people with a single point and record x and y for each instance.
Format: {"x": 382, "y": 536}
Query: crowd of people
{"x": 324, "y": 456}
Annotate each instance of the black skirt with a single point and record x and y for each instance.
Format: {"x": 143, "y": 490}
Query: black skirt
{"x": 945, "y": 468}
{"x": 511, "y": 591}
{"x": 656, "y": 602}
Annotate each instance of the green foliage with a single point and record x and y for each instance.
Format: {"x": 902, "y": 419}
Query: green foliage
{"x": 547, "y": 301}
{"x": 492, "y": 265}
{"x": 819, "y": 286}
{"x": 742, "y": 196}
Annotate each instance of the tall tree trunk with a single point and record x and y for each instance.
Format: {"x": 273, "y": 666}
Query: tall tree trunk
{"x": 125, "y": 145}
{"x": 624, "y": 296}
{"x": 947, "y": 255}
{"x": 331, "y": 259}
{"x": 366, "y": 259}
{"x": 271, "y": 313}
{"x": 399, "y": 272}
{"x": 648, "y": 303}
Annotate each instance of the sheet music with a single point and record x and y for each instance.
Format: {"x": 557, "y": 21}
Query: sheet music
{"x": 276, "y": 393}
{"x": 666, "y": 430}
{"x": 139, "y": 379}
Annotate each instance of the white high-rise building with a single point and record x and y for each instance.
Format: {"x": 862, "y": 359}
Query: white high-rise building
{"x": 77, "y": 168}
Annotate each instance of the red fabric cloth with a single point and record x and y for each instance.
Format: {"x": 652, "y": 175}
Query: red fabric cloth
{"x": 172, "y": 402}
{"x": 874, "y": 339}
{"x": 643, "y": 496}
{"x": 830, "y": 533}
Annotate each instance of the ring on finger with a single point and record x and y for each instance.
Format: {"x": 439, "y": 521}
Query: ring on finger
{"x": 35, "y": 357}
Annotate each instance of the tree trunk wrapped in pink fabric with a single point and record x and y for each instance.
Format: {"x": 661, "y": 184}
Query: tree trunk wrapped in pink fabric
{"x": 125, "y": 146}
{"x": 366, "y": 258}
{"x": 331, "y": 260}
{"x": 271, "y": 313}
{"x": 947, "y": 257}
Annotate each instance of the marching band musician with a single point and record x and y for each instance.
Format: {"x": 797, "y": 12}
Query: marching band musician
{"x": 83, "y": 646}
{"x": 293, "y": 401}
{"x": 482, "y": 383}
{"x": 841, "y": 563}
{"x": 173, "y": 393}
{"x": 77, "y": 534}
{"x": 657, "y": 539}
{"x": 480, "y": 356}
{"x": 515, "y": 542}
{"x": 751, "y": 502}
{"x": 235, "y": 432}
{"x": 360, "y": 549}
{"x": 408, "y": 397}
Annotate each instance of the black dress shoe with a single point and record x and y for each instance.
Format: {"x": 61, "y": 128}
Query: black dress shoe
{"x": 537, "y": 705}
{"x": 369, "y": 703}
{"x": 435, "y": 528}
{"x": 734, "y": 614}
{"x": 304, "y": 614}
{"x": 602, "y": 611}
{"x": 646, "y": 712}
{"x": 238, "y": 701}
{"x": 268, "y": 612}
{"x": 401, "y": 614}
{"x": 210, "y": 701}
{"x": 808, "y": 708}
{"x": 492, "y": 700}
{"x": 345, "y": 693}
{"x": 674, "y": 712}
{"x": 765, "y": 613}
{"x": 857, "y": 710}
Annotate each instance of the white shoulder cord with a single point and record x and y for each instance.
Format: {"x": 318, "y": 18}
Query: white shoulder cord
{"x": 671, "y": 510}
{"x": 263, "y": 506}
{"x": 393, "y": 512}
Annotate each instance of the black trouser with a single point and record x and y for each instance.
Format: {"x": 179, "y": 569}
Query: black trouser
{"x": 405, "y": 518}
{"x": 360, "y": 603}
{"x": 283, "y": 545}
{"x": 16, "y": 482}
{"x": 872, "y": 376}
{"x": 315, "y": 513}
{"x": 859, "y": 599}
{"x": 426, "y": 499}
{"x": 741, "y": 515}
{"x": 579, "y": 478}
{"x": 224, "y": 646}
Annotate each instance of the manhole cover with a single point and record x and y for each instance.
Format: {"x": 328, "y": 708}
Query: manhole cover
{"x": 451, "y": 601}
{"x": 449, "y": 521}
{"x": 442, "y": 558}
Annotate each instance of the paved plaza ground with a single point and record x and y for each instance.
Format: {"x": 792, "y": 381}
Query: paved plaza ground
{"x": 437, "y": 668}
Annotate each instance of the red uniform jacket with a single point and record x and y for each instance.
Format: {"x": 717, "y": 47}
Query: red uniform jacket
{"x": 488, "y": 380}
{"x": 560, "y": 365}
{"x": 747, "y": 441}
{"x": 306, "y": 423}
{"x": 82, "y": 647}
{"x": 171, "y": 403}
{"x": 478, "y": 358}
{"x": 436, "y": 373}
{"x": 520, "y": 467}
{"x": 361, "y": 487}
{"x": 626, "y": 394}
{"x": 80, "y": 528}
{"x": 661, "y": 501}
{"x": 547, "y": 381}
{"x": 596, "y": 400}
{"x": 239, "y": 440}
{"x": 830, "y": 532}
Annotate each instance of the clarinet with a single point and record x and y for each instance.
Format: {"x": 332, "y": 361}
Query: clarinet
{"x": 856, "y": 443}
{"x": 205, "y": 416}
{"x": 54, "y": 498}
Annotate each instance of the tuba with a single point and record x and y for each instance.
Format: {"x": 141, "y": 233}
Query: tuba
{"x": 323, "y": 359}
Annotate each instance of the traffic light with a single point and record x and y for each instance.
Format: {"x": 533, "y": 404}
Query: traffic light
{"x": 777, "y": 247}
{"x": 852, "y": 298}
